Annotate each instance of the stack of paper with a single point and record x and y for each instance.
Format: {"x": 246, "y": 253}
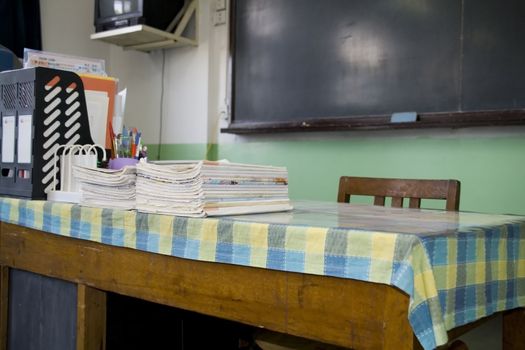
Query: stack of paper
{"x": 208, "y": 188}
{"x": 107, "y": 188}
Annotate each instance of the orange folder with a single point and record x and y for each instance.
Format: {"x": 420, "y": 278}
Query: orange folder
{"x": 104, "y": 84}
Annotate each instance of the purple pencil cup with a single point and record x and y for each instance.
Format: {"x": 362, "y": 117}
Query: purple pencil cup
{"x": 119, "y": 163}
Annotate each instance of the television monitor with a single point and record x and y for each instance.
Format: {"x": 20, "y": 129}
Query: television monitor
{"x": 112, "y": 14}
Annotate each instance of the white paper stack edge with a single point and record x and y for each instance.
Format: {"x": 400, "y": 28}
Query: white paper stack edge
{"x": 107, "y": 188}
{"x": 206, "y": 188}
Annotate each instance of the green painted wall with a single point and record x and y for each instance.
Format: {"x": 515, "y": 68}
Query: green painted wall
{"x": 491, "y": 169}
{"x": 183, "y": 152}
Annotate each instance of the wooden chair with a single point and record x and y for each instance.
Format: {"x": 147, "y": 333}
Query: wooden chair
{"x": 398, "y": 189}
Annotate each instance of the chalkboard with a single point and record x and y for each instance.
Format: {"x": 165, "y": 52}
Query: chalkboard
{"x": 300, "y": 64}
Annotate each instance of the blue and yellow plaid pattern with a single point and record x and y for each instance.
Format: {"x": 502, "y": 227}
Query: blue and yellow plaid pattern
{"x": 456, "y": 267}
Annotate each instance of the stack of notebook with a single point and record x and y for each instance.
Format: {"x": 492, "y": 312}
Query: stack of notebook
{"x": 107, "y": 188}
{"x": 208, "y": 188}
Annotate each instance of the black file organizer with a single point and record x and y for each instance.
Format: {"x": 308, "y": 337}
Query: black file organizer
{"x": 55, "y": 99}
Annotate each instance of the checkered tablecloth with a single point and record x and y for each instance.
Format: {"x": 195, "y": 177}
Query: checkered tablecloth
{"x": 456, "y": 267}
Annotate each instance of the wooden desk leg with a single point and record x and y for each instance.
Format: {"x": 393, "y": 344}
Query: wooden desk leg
{"x": 4, "y": 305}
{"x": 514, "y": 329}
{"x": 91, "y": 318}
{"x": 416, "y": 345}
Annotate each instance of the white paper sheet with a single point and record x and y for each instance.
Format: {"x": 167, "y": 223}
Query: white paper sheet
{"x": 8, "y": 139}
{"x": 25, "y": 139}
{"x": 97, "y": 107}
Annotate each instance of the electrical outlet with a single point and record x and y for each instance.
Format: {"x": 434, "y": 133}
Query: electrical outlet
{"x": 219, "y": 17}
{"x": 220, "y": 5}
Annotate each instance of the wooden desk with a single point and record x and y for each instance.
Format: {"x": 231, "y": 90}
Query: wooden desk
{"x": 345, "y": 312}
{"x": 359, "y": 314}
{"x": 340, "y": 311}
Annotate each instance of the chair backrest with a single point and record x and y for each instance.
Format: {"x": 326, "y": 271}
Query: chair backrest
{"x": 398, "y": 189}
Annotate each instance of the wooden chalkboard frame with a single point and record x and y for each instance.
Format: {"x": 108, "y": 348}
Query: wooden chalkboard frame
{"x": 455, "y": 119}
{"x": 382, "y": 122}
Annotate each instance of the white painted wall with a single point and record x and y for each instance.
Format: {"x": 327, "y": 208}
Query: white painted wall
{"x": 141, "y": 74}
{"x": 185, "y": 109}
{"x": 66, "y": 27}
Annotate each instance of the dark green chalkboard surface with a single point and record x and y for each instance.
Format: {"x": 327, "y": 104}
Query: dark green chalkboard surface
{"x": 310, "y": 64}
